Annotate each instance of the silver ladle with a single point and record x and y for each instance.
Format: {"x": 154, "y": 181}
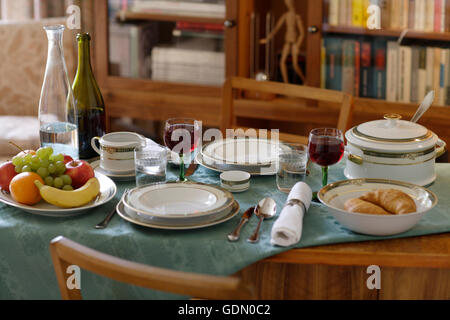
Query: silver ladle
{"x": 426, "y": 103}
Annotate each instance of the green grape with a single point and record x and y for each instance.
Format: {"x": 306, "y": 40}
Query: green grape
{"x": 17, "y": 160}
{"x": 45, "y": 163}
{"x": 41, "y": 153}
{"x": 51, "y": 168}
{"x": 60, "y": 167}
{"x": 49, "y": 151}
{"x": 26, "y": 168}
{"x": 43, "y": 172}
{"x": 56, "y": 157}
{"x": 49, "y": 181}
{"x": 58, "y": 183}
{"x": 66, "y": 179}
{"x": 18, "y": 168}
{"x": 67, "y": 187}
{"x": 27, "y": 158}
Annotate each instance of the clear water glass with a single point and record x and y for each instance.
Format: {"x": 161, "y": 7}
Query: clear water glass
{"x": 292, "y": 162}
{"x": 150, "y": 163}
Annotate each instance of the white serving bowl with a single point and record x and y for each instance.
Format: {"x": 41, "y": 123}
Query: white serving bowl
{"x": 334, "y": 195}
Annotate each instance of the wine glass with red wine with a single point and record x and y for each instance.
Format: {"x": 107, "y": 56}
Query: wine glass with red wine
{"x": 181, "y": 135}
{"x": 325, "y": 147}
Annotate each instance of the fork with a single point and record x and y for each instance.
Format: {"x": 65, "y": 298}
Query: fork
{"x": 104, "y": 223}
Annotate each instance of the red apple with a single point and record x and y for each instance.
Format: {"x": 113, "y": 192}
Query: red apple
{"x": 7, "y": 172}
{"x": 67, "y": 159}
{"x": 80, "y": 171}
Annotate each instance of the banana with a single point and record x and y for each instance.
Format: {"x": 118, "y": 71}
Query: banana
{"x": 69, "y": 199}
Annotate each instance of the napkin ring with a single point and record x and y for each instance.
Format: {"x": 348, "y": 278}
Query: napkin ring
{"x": 296, "y": 202}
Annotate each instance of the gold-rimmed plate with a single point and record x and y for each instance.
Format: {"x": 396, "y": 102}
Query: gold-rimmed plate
{"x": 134, "y": 218}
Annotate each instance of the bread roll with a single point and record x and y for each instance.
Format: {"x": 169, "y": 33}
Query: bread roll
{"x": 361, "y": 206}
{"x": 392, "y": 200}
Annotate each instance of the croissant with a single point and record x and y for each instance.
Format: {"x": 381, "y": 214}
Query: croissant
{"x": 361, "y": 206}
{"x": 392, "y": 200}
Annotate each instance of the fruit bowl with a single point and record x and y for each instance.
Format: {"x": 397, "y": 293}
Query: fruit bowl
{"x": 334, "y": 195}
{"x": 108, "y": 190}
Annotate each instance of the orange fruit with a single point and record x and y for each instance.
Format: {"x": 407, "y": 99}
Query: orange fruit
{"x": 23, "y": 189}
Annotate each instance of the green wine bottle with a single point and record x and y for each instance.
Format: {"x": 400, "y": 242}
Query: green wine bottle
{"x": 88, "y": 100}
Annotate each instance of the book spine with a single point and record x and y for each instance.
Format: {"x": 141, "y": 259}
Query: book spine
{"x": 447, "y": 78}
{"x": 333, "y": 63}
{"x": 411, "y": 14}
{"x": 357, "y": 13}
{"x": 447, "y": 15}
{"x": 323, "y": 64}
{"x": 183, "y": 25}
{"x": 420, "y": 12}
{"x": 443, "y": 17}
{"x": 366, "y": 65}
{"x": 379, "y": 72}
{"x": 385, "y": 14}
{"x": 436, "y": 73}
{"x": 349, "y": 17}
{"x": 348, "y": 66}
{"x": 429, "y": 16}
{"x": 442, "y": 77}
{"x": 342, "y": 12}
{"x": 392, "y": 71}
{"x": 404, "y": 14}
{"x": 414, "y": 74}
{"x": 422, "y": 74}
{"x": 437, "y": 15}
{"x": 429, "y": 69}
{"x": 357, "y": 61}
{"x": 405, "y": 74}
{"x": 333, "y": 13}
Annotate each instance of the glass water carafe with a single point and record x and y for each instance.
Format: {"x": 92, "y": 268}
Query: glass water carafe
{"x": 57, "y": 111}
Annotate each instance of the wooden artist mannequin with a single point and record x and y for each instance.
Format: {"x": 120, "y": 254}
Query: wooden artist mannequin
{"x": 292, "y": 41}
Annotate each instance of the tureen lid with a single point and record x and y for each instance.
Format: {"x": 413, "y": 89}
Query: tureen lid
{"x": 391, "y": 133}
{"x": 392, "y": 129}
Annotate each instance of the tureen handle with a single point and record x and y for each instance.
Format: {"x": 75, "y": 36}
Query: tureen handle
{"x": 440, "y": 149}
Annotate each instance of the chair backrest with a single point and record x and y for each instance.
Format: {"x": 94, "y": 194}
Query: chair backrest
{"x": 65, "y": 252}
{"x": 293, "y": 113}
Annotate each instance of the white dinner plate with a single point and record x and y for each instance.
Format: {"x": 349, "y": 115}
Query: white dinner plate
{"x": 253, "y": 170}
{"x": 242, "y": 151}
{"x": 178, "y": 200}
{"x": 108, "y": 190}
{"x": 130, "y": 176}
{"x": 132, "y": 217}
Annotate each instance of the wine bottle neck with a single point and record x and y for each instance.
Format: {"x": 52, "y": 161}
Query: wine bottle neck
{"x": 84, "y": 56}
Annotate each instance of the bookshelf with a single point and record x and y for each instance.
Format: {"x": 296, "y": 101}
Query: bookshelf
{"x": 148, "y": 99}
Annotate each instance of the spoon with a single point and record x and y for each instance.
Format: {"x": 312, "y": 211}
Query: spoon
{"x": 266, "y": 209}
{"x": 426, "y": 103}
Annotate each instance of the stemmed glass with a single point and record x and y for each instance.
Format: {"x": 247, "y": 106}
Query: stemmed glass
{"x": 181, "y": 135}
{"x": 325, "y": 147}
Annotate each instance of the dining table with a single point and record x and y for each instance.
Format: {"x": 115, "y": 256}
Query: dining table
{"x": 329, "y": 261}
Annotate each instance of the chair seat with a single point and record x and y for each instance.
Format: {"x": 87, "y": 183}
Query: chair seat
{"x": 22, "y": 130}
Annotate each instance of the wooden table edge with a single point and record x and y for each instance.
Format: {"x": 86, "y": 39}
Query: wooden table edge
{"x": 433, "y": 251}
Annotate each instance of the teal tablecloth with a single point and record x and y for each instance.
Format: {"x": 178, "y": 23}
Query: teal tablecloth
{"x": 26, "y": 270}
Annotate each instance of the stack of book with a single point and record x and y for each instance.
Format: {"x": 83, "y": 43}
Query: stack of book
{"x": 198, "y": 8}
{"x": 130, "y": 49}
{"x": 383, "y": 69}
{"x": 188, "y": 66}
{"x": 419, "y": 15}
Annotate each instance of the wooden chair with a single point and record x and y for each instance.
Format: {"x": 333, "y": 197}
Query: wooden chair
{"x": 292, "y": 112}
{"x": 65, "y": 252}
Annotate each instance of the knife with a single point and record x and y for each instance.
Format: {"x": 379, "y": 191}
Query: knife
{"x": 234, "y": 236}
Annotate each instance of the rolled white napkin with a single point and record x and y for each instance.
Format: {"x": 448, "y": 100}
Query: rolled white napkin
{"x": 287, "y": 230}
